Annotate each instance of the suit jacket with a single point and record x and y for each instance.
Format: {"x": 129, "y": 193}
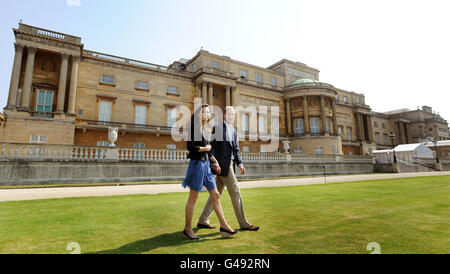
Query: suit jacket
{"x": 221, "y": 149}
{"x": 194, "y": 146}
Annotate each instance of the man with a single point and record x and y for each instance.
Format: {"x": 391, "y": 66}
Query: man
{"x": 226, "y": 151}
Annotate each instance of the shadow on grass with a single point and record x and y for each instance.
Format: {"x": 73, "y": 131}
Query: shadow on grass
{"x": 164, "y": 240}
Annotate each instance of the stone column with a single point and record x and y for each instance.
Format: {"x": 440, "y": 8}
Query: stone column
{"x": 235, "y": 100}
{"x": 335, "y": 125}
{"x": 210, "y": 94}
{"x": 360, "y": 126}
{"x": 322, "y": 114}
{"x": 227, "y": 96}
{"x": 204, "y": 100}
{"x": 25, "y": 103}
{"x": 306, "y": 115}
{"x": 15, "y": 75}
{"x": 288, "y": 116}
{"x": 370, "y": 128}
{"x": 62, "y": 83}
{"x": 73, "y": 85}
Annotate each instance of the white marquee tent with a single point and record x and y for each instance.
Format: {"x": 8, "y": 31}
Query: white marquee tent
{"x": 409, "y": 153}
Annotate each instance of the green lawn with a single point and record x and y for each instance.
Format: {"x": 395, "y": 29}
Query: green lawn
{"x": 409, "y": 215}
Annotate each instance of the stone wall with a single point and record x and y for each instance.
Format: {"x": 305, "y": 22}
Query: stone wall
{"x": 32, "y": 173}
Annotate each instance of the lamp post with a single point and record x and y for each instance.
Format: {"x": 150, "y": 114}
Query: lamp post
{"x": 392, "y": 138}
{"x": 435, "y": 149}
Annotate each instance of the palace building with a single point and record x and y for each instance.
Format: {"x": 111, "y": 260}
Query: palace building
{"x": 61, "y": 93}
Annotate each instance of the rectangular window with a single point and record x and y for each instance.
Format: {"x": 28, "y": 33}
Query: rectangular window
{"x": 375, "y": 124}
{"x": 38, "y": 139}
{"x": 107, "y": 79}
{"x": 216, "y": 64}
{"x": 349, "y": 133}
{"x": 170, "y": 146}
{"x": 383, "y": 125}
{"x": 103, "y": 143}
{"x": 262, "y": 149}
{"x": 245, "y": 122}
{"x": 328, "y": 125}
{"x": 142, "y": 85}
{"x": 340, "y": 130}
{"x": 171, "y": 117}
{"x": 273, "y": 82}
{"x": 104, "y": 113}
{"x": 314, "y": 124}
{"x": 275, "y": 126}
{"x": 377, "y": 138}
{"x": 172, "y": 90}
{"x": 45, "y": 101}
{"x": 358, "y": 100}
{"x": 318, "y": 150}
{"x": 345, "y": 99}
{"x": 194, "y": 67}
{"x": 262, "y": 124}
{"x": 298, "y": 150}
{"x": 385, "y": 139}
{"x": 246, "y": 149}
{"x": 259, "y": 78}
{"x": 141, "y": 113}
{"x": 298, "y": 124}
{"x": 139, "y": 145}
{"x": 243, "y": 73}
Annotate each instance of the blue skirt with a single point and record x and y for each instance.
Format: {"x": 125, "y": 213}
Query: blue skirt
{"x": 199, "y": 176}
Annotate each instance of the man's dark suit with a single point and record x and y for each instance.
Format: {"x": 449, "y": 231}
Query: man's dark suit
{"x": 221, "y": 149}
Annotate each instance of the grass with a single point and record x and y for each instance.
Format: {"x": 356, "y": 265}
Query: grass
{"x": 408, "y": 215}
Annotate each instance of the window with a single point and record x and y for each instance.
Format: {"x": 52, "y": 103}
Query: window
{"x": 103, "y": 143}
{"x": 349, "y": 133}
{"x": 45, "y": 101}
{"x": 275, "y": 126}
{"x": 246, "y": 149}
{"x": 107, "y": 79}
{"x": 345, "y": 99}
{"x": 243, "y": 73}
{"x": 262, "y": 124}
{"x": 245, "y": 122}
{"x": 172, "y": 90}
{"x": 104, "y": 113}
{"x": 328, "y": 125}
{"x": 385, "y": 139}
{"x": 170, "y": 146}
{"x": 318, "y": 150}
{"x": 298, "y": 124}
{"x": 259, "y": 78}
{"x": 171, "y": 117}
{"x": 334, "y": 149}
{"x": 262, "y": 149}
{"x": 377, "y": 138}
{"x": 298, "y": 150}
{"x": 357, "y": 100}
{"x": 194, "y": 67}
{"x": 141, "y": 113}
{"x": 216, "y": 64}
{"x": 337, "y": 97}
{"x": 38, "y": 139}
{"x": 314, "y": 122}
{"x": 142, "y": 85}
{"x": 273, "y": 82}
{"x": 383, "y": 125}
{"x": 340, "y": 130}
{"x": 350, "y": 153}
{"x": 139, "y": 145}
{"x": 375, "y": 124}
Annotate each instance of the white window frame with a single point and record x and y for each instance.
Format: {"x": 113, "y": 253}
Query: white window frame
{"x": 245, "y": 149}
{"x": 142, "y": 85}
{"x": 171, "y": 146}
{"x": 103, "y": 143}
{"x": 298, "y": 150}
{"x": 104, "y": 113}
{"x": 215, "y": 64}
{"x": 245, "y": 122}
{"x": 275, "y": 126}
{"x": 140, "y": 115}
{"x": 172, "y": 90}
{"x": 259, "y": 77}
{"x": 318, "y": 150}
{"x": 298, "y": 125}
{"x": 273, "y": 81}
{"x": 261, "y": 124}
{"x": 243, "y": 73}
{"x": 107, "y": 79}
{"x": 39, "y": 139}
{"x": 328, "y": 125}
{"x": 345, "y": 99}
{"x": 349, "y": 133}
{"x": 314, "y": 127}
{"x": 171, "y": 117}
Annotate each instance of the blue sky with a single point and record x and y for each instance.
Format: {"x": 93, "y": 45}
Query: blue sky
{"x": 394, "y": 52}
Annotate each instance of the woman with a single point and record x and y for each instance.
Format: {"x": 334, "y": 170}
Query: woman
{"x": 199, "y": 174}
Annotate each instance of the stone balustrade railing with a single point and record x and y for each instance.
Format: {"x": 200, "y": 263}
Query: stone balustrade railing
{"x": 61, "y": 153}
{"x": 49, "y": 33}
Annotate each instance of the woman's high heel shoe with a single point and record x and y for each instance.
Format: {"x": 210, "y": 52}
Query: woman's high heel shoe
{"x": 225, "y": 233}
{"x": 191, "y": 238}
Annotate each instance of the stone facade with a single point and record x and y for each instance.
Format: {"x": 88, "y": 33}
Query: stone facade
{"x": 61, "y": 93}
